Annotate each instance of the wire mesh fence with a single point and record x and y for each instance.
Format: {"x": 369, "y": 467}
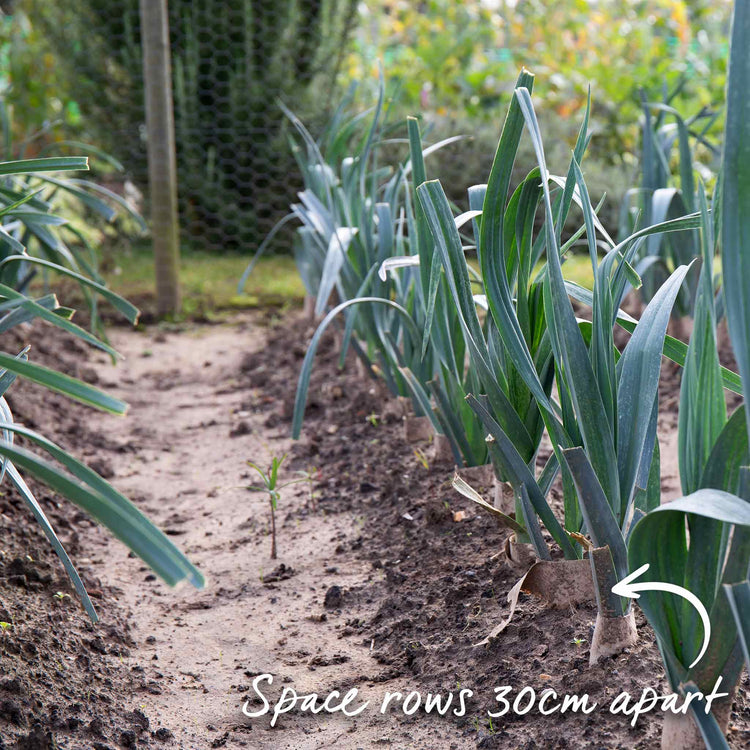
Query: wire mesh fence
{"x": 232, "y": 62}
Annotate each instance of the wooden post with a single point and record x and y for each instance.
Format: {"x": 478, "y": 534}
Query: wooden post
{"x": 162, "y": 161}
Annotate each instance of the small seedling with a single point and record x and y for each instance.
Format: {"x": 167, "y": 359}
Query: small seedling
{"x": 271, "y": 485}
{"x": 579, "y": 641}
{"x": 61, "y": 595}
{"x": 5, "y": 626}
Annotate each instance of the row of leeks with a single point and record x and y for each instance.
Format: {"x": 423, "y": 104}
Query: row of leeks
{"x": 525, "y": 365}
{"x": 357, "y": 251}
{"x": 603, "y": 424}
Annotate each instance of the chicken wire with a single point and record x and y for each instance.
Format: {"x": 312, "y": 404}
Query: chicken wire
{"x": 232, "y": 62}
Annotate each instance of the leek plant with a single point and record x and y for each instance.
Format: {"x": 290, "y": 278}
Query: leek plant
{"x": 443, "y": 397}
{"x": 609, "y": 405}
{"x": 60, "y": 471}
{"x": 517, "y": 358}
{"x": 512, "y": 351}
{"x": 663, "y": 196}
{"x": 704, "y": 537}
{"x": 34, "y": 228}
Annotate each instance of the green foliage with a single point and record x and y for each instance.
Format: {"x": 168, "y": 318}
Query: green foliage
{"x": 455, "y": 64}
{"x": 697, "y": 550}
{"x": 607, "y": 408}
{"x": 26, "y": 215}
{"x": 451, "y": 58}
{"x": 704, "y": 537}
{"x": 29, "y": 77}
{"x": 663, "y": 195}
{"x": 362, "y": 240}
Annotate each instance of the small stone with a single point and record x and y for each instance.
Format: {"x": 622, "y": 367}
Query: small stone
{"x": 96, "y": 727}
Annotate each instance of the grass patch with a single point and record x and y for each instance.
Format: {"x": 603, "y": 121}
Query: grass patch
{"x": 576, "y": 268}
{"x": 208, "y": 280}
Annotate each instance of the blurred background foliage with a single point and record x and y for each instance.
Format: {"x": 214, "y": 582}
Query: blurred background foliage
{"x": 80, "y": 65}
{"x": 459, "y": 60}
{"x": 73, "y": 70}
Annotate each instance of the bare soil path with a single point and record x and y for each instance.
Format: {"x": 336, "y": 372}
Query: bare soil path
{"x": 191, "y": 427}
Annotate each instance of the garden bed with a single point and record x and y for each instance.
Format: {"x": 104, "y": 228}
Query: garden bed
{"x": 445, "y": 583}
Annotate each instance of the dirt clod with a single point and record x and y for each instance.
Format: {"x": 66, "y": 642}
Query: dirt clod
{"x": 334, "y": 598}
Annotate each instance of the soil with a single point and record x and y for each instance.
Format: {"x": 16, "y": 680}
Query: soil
{"x": 385, "y": 580}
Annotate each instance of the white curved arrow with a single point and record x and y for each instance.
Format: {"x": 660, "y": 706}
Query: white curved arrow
{"x": 627, "y": 588}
